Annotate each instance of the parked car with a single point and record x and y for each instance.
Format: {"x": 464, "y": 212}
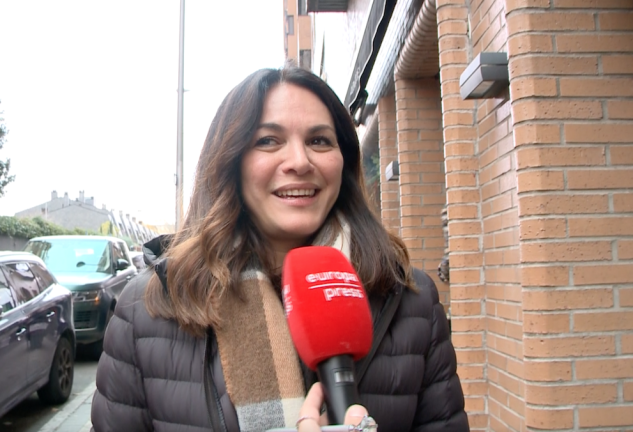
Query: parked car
{"x": 95, "y": 269}
{"x": 137, "y": 260}
{"x": 37, "y": 337}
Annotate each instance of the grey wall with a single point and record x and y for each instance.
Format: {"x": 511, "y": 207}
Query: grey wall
{"x": 11, "y": 243}
{"x": 79, "y": 216}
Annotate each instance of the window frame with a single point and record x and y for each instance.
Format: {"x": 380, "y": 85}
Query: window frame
{"x": 44, "y": 278}
{"x": 302, "y": 7}
{"x": 290, "y": 25}
{"x": 4, "y": 280}
{"x": 18, "y": 295}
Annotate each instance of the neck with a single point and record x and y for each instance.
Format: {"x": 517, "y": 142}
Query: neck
{"x": 279, "y": 256}
{"x": 280, "y": 249}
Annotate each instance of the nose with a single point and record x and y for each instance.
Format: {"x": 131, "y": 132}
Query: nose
{"x": 297, "y": 158}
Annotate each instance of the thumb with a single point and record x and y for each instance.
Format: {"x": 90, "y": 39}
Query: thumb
{"x": 355, "y": 414}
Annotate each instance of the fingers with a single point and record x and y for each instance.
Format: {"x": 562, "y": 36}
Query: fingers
{"x": 311, "y": 410}
{"x": 309, "y": 415}
{"x": 308, "y": 424}
{"x": 314, "y": 400}
{"x": 355, "y": 414}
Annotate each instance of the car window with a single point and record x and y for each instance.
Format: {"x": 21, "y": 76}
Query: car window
{"x": 137, "y": 260}
{"x": 23, "y": 281}
{"x": 118, "y": 251}
{"x": 73, "y": 255}
{"x": 7, "y": 302}
{"x": 44, "y": 278}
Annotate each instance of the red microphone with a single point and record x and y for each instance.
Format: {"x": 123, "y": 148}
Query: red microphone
{"x": 329, "y": 319}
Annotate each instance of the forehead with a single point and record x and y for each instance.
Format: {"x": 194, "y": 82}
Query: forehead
{"x": 288, "y": 102}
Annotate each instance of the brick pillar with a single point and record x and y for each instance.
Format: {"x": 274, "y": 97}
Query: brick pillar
{"x": 571, "y": 80}
{"x": 467, "y": 290}
{"x": 422, "y": 188}
{"x": 388, "y": 149}
{"x": 499, "y": 214}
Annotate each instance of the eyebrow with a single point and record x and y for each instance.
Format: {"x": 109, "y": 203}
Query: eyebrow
{"x": 313, "y": 129}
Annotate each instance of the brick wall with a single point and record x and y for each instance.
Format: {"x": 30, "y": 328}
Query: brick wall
{"x": 539, "y": 191}
{"x": 388, "y": 150}
{"x": 422, "y": 179}
{"x": 467, "y": 289}
{"x": 499, "y": 213}
{"x": 571, "y": 70}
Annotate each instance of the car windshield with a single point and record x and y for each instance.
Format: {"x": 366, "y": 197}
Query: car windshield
{"x": 73, "y": 255}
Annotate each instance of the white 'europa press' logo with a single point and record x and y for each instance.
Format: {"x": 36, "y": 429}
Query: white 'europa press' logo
{"x": 336, "y": 284}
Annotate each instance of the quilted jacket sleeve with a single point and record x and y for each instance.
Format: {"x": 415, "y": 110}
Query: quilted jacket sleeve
{"x": 441, "y": 400}
{"x": 119, "y": 401}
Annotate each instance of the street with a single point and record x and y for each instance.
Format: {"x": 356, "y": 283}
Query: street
{"x": 32, "y": 416}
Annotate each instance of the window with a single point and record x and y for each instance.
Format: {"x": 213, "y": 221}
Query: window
{"x": 7, "y": 302}
{"x": 23, "y": 281}
{"x": 302, "y": 7}
{"x": 305, "y": 59}
{"x": 43, "y": 277}
{"x": 118, "y": 251}
{"x": 290, "y": 23}
{"x": 72, "y": 255}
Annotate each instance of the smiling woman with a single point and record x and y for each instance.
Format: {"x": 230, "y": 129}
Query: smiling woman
{"x": 291, "y": 176}
{"x": 202, "y": 339}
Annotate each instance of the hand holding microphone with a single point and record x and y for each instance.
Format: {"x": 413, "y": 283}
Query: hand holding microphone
{"x": 310, "y": 421}
{"x": 329, "y": 320}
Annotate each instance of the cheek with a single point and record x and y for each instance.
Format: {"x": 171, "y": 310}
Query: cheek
{"x": 255, "y": 175}
{"x": 333, "y": 170}
{"x": 247, "y": 176}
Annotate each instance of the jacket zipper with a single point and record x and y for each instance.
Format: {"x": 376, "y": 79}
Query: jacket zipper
{"x": 216, "y": 417}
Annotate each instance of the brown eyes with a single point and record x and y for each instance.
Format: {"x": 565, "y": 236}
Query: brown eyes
{"x": 321, "y": 141}
{"x": 318, "y": 141}
{"x": 265, "y": 141}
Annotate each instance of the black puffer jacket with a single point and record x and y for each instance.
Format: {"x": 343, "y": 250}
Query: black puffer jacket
{"x": 154, "y": 376}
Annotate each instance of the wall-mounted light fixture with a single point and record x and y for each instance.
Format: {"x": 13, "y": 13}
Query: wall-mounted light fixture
{"x": 485, "y": 76}
{"x": 392, "y": 171}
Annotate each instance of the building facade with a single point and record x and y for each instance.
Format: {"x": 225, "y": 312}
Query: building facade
{"x": 297, "y": 33}
{"x": 537, "y": 182}
{"x": 82, "y": 214}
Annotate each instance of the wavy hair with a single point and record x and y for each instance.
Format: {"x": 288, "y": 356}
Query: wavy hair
{"x": 218, "y": 238}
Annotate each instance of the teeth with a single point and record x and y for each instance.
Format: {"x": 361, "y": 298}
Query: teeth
{"x": 295, "y": 193}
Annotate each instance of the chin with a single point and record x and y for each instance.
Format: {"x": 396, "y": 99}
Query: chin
{"x": 300, "y": 233}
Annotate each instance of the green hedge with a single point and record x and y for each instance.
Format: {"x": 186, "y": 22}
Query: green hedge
{"x": 28, "y": 228}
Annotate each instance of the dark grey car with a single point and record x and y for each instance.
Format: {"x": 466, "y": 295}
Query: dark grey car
{"x": 37, "y": 337}
{"x": 95, "y": 269}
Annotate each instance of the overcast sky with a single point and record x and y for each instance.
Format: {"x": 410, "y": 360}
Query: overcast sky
{"x": 88, "y": 93}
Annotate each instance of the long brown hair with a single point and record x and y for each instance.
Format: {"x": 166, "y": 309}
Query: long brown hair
{"x": 218, "y": 238}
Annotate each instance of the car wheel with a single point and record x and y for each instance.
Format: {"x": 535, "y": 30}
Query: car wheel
{"x": 96, "y": 348}
{"x": 60, "y": 378}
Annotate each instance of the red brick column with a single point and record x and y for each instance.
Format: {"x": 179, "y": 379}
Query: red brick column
{"x": 388, "y": 148}
{"x": 421, "y": 156}
{"x": 571, "y": 71}
{"x": 467, "y": 290}
{"x": 499, "y": 214}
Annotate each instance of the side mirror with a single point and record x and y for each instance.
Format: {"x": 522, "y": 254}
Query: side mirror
{"x": 121, "y": 264}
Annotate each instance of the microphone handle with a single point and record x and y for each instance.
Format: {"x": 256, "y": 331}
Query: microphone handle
{"x": 339, "y": 387}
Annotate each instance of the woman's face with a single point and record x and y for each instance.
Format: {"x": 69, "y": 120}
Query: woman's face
{"x": 291, "y": 174}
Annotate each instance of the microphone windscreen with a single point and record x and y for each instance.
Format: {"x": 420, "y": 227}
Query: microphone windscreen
{"x": 326, "y": 305}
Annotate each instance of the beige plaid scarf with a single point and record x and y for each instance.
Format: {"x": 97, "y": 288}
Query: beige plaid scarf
{"x": 260, "y": 365}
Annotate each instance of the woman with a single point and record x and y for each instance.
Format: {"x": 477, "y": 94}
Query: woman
{"x": 200, "y": 340}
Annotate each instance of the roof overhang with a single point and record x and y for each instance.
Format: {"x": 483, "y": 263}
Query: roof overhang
{"x": 377, "y": 23}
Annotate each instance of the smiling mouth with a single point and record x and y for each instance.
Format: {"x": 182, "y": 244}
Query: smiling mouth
{"x": 296, "y": 193}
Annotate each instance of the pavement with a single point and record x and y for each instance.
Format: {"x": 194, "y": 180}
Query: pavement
{"x": 75, "y": 415}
